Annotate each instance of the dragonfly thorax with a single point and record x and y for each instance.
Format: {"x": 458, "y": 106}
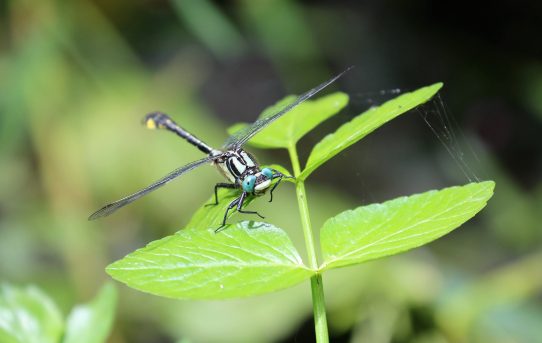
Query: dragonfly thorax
{"x": 240, "y": 168}
{"x": 236, "y": 165}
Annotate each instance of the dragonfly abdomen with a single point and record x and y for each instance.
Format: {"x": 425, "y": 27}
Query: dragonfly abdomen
{"x": 159, "y": 120}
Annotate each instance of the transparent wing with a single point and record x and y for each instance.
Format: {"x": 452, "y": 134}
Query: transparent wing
{"x": 112, "y": 207}
{"x": 242, "y": 136}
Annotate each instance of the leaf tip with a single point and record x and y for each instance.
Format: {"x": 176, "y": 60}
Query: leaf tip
{"x": 489, "y": 186}
{"x": 434, "y": 88}
{"x": 342, "y": 99}
{"x": 112, "y": 269}
{"x": 438, "y": 85}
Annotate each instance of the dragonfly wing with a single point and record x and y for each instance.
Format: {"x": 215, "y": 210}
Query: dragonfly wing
{"x": 112, "y": 207}
{"x": 242, "y": 136}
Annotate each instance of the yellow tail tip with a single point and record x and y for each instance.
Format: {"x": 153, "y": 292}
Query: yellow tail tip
{"x": 150, "y": 124}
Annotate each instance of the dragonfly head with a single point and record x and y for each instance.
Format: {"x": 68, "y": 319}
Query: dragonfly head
{"x": 268, "y": 172}
{"x": 248, "y": 183}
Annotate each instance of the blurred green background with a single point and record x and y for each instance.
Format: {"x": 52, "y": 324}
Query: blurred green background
{"x": 76, "y": 77}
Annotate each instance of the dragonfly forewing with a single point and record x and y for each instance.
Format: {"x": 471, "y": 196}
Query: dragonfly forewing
{"x": 239, "y": 138}
{"x": 112, "y": 207}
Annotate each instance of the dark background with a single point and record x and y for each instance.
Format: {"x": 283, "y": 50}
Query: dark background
{"x": 76, "y": 78}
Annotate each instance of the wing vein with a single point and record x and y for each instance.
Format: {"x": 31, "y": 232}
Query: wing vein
{"x": 244, "y": 135}
{"x": 112, "y": 207}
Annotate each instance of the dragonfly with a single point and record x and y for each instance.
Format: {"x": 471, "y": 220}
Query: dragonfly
{"x": 238, "y": 166}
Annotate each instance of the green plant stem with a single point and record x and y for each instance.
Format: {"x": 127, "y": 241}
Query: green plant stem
{"x": 317, "y": 286}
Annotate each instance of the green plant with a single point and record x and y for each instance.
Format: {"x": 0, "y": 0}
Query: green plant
{"x": 250, "y": 258}
{"x": 27, "y": 315}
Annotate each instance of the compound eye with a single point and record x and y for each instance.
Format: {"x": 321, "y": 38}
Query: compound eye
{"x": 248, "y": 183}
{"x": 268, "y": 173}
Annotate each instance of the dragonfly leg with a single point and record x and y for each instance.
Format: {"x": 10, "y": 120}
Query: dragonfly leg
{"x": 280, "y": 176}
{"x": 221, "y": 185}
{"x": 230, "y": 206}
{"x": 275, "y": 186}
{"x": 240, "y": 206}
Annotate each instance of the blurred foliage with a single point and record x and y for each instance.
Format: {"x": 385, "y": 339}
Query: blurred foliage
{"x": 76, "y": 78}
{"x": 30, "y": 316}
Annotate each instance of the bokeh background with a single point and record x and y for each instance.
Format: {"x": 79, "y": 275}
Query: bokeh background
{"x": 76, "y": 77}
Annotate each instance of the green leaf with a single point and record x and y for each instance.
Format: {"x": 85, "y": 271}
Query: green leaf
{"x": 291, "y": 127}
{"x": 91, "y": 323}
{"x": 27, "y": 315}
{"x": 378, "y": 230}
{"x": 364, "y": 124}
{"x": 242, "y": 260}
